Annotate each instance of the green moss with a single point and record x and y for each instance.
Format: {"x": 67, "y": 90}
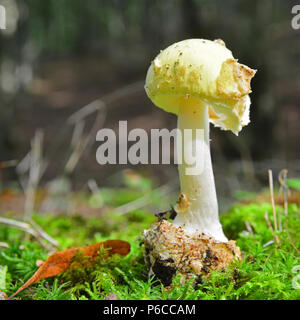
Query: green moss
{"x": 266, "y": 272}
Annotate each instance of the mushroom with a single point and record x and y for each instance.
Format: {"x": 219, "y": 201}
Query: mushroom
{"x": 200, "y": 82}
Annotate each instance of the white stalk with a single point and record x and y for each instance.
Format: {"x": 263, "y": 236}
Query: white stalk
{"x": 200, "y": 215}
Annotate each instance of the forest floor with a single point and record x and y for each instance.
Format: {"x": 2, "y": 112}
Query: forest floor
{"x": 267, "y": 271}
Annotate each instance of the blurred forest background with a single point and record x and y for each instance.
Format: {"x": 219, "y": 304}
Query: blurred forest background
{"x": 70, "y": 67}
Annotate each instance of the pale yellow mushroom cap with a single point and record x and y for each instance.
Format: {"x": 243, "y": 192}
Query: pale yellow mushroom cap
{"x": 202, "y": 69}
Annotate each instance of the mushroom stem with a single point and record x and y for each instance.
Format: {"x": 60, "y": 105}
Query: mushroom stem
{"x": 197, "y": 207}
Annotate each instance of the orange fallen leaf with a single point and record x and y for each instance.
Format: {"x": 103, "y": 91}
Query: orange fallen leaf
{"x": 61, "y": 261}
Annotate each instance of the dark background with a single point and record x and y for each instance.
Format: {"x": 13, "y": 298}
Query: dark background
{"x": 58, "y": 56}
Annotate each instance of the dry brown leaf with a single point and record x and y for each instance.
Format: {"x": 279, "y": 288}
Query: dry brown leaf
{"x": 60, "y": 261}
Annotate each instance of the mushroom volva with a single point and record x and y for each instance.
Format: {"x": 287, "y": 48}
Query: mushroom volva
{"x": 201, "y": 82}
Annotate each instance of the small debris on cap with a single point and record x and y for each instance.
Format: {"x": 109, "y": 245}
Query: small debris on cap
{"x": 221, "y": 42}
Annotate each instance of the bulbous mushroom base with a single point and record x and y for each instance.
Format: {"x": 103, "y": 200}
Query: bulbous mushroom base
{"x": 169, "y": 250}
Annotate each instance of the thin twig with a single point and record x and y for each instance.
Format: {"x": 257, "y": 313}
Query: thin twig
{"x": 75, "y": 156}
{"x": 34, "y": 174}
{"x": 283, "y": 187}
{"x": 43, "y": 234}
{"x": 26, "y": 227}
{"x": 85, "y": 111}
{"x": 271, "y": 228}
{"x": 92, "y": 184}
{"x": 22, "y": 168}
{"x": 273, "y": 207}
{"x": 272, "y": 199}
{"x": 77, "y": 132}
{"x": 123, "y": 92}
{"x": 282, "y": 180}
{"x": 83, "y": 142}
{"x": 249, "y": 228}
{"x": 145, "y": 200}
{"x": 268, "y": 221}
{"x": 268, "y": 243}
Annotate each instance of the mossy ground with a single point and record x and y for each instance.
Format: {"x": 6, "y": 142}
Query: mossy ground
{"x": 266, "y": 272}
